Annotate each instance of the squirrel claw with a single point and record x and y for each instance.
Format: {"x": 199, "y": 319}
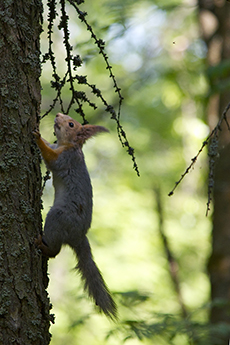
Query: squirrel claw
{"x": 36, "y": 133}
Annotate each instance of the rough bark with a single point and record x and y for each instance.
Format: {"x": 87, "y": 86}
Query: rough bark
{"x": 216, "y": 14}
{"x": 24, "y": 306}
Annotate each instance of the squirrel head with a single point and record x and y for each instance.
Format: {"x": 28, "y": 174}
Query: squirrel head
{"x": 69, "y": 131}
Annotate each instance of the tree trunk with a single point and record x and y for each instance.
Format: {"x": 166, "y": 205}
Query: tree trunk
{"x": 24, "y": 306}
{"x": 215, "y": 24}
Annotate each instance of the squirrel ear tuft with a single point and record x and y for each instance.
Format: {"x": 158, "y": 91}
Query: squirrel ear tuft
{"x": 87, "y": 131}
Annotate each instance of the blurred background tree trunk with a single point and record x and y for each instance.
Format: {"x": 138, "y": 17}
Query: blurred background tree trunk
{"x": 215, "y": 26}
{"x": 24, "y": 304}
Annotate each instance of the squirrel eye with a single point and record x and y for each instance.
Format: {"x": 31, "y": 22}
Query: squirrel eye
{"x": 71, "y": 124}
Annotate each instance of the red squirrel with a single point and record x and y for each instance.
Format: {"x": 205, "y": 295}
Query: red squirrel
{"x": 69, "y": 218}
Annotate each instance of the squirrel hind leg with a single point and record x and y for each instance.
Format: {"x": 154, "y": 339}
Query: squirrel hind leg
{"x": 52, "y": 239}
{"x": 46, "y": 250}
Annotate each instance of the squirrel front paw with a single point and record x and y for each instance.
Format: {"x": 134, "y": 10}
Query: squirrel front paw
{"x": 36, "y": 134}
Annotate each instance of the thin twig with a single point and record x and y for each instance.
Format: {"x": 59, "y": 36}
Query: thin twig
{"x": 214, "y": 132}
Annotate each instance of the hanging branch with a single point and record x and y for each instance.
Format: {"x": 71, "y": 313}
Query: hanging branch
{"x": 69, "y": 57}
{"x": 58, "y": 97}
{"x": 212, "y": 140}
{"x": 45, "y": 179}
{"x": 212, "y": 153}
{"x": 73, "y": 62}
{"x": 50, "y": 56}
{"x": 101, "y": 46}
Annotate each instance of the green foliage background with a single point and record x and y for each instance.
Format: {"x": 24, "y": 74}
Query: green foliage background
{"x": 159, "y": 62}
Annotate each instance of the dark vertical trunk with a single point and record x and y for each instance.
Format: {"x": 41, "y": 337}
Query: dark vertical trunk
{"x": 216, "y": 14}
{"x": 24, "y": 306}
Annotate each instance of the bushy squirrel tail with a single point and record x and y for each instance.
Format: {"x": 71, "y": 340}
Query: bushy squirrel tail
{"x": 94, "y": 283}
